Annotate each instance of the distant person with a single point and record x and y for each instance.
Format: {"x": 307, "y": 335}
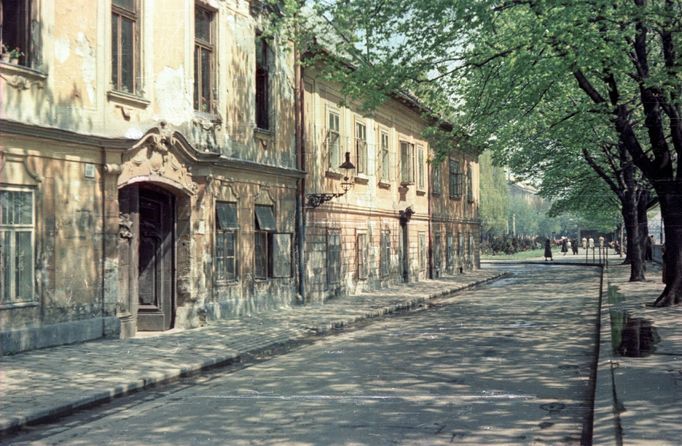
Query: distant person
{"x": 649, "y": 248}
{"x": 548, "y": 250}
{"x": 574, "y": 245}
{"x": 616, "y": 247}
{"x": 564, "y": 245}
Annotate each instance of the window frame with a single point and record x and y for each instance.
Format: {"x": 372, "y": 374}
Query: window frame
{"x": 334, "y": 159}
{"x": 422, "y": 250}
{"x": 22, "y": 35}
{"x": 219, "y": 277}
{"x": 385, "y": 253}
{"x": 421, "y": 174}
{"x": 360, "y": 147}
{"x": 333, "y": 252}
{"x": 120, "y": 13}
{"x": 406, "y": 162}
{"x": 210, "y": 47}
{"x": 455, "y": 180}
{"x": 262, "y": 80}
{"x": 14, "y": 228}
{"x": 436, "y": 178}
{"x": 265, "y": 234}
{"x": 470, "y": 183}
{"x": 361, "y": 252}
{"x": 384, "y": 170}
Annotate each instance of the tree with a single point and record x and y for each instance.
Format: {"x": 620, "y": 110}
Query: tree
{"x": 494, "y": 197}
{"x": 610, "y": 67}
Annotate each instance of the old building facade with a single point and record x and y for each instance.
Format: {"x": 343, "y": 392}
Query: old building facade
{"x": 404, "y": 217}
{"x": 148, "y": 170}
{"x": 153, "y": 175}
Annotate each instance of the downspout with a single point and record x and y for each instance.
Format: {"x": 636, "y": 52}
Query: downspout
{"x": 428, "y": 201}
{"x": 103, "y": 179}
{"x": 300, "y": 158}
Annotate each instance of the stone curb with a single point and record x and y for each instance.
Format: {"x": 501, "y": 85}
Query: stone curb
{"x": 43, "y": 414}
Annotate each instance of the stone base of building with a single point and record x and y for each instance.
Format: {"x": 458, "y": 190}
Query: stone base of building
{"x": 30, "y": 338}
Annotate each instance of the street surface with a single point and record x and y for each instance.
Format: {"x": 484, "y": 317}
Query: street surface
{"x": 508, "y": 363}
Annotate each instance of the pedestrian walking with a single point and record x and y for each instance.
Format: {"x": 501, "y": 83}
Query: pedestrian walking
{"x": 548, "y": 250}
{"x": 575, "y": 246}
{"x": 564, "y": 245}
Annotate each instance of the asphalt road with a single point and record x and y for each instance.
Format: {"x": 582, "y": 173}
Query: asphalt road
{"x": 508, "y": 363}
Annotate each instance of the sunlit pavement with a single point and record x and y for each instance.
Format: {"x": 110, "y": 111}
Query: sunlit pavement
{"x": 54, "y": 381}
{"x": 639, "y": 384}
{"x": 509, "y": 363}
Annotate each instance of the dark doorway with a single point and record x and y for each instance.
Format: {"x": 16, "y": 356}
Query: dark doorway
{"x": 156, "y": 259}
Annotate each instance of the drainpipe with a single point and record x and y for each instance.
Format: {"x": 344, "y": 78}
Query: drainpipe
{"x": 300, "y": 158}
{"x": 103, "y": 179}
{"x": 430, "y": 220}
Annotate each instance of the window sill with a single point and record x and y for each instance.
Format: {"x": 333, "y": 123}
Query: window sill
{"x": 361, "y": 179}
{"x": 421, "y": 193}
{"x": 384, "y": 184}
{"x": 333, "y": 174}
{"x": 226, "y": 283}
{"x": 127, "y": 98}
{"x": 24, "y": 77}
{"x": 455, "y": 197}
{"x": 263, "y": 133}
{"x": 406, "y": 183}
{"x": 435, "y": 194}
{"x": 11, "y": 305}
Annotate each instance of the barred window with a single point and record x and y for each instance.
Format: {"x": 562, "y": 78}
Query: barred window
{"x": 385, "y": 253}
{"x": 226, "y": 227}
{"x": 361, "y": 147}
{"x": 361, "y": 250}
{"x": 333, "y": 256}
{"x": 125, "y": 46}
{"x": 204, "y": 63}
{"x": 455, "y": 179}
{"x": 333, "y": 140}
{"x": 16, "y": 246}
{"x": 449, "y": 254}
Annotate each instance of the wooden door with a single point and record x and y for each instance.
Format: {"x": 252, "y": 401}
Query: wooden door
{"x": 156, "y": 260}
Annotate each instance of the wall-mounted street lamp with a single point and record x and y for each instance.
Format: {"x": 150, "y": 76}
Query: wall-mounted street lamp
{"x": 316, "y": 200}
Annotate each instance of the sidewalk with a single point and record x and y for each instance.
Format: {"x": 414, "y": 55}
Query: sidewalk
{"x": 638, "y": 398}
{"x": 55, "y": 381}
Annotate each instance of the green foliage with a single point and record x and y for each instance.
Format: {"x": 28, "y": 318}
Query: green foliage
{"x": 494, "y": 207}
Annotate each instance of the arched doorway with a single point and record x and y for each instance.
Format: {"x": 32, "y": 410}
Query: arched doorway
{"x": 150, "y": 255}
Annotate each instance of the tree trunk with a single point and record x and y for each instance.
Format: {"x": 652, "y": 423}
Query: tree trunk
{"x": 634, "y": 246}
{"x": 670, "y": 198}
{"x": 643, "y": 224}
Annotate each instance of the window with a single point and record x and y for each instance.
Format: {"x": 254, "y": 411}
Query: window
{"x": 226, "y": 228}
{"x": 333, "y": 256}
{"x": 406, "y": 162}
{"x": 420, "y": 169}
{"x": 15, "y": 23}
{"x": 265, "y": 227}
{"x": 436, "y": 252}
{"x": 436, "y": 178}
{"x": 455, "y": 179}
{"x": 470, "y": 184}
{"x": 204, "y": 50}
{"x": 385, "y": 157}
{"x": 361, "y": 147}
{"x": 333, "y": 140}
{"x": 262, "y": 83}
{"x": 449, "y": 253}
{"x": 460, "y": 247}
{"x": 422, "y": 251}
{"x": 124, "y": 46}
{"x": 361, "y": 248}
{"x": 16, "y": 246}
{"x": 385, "y": 253}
